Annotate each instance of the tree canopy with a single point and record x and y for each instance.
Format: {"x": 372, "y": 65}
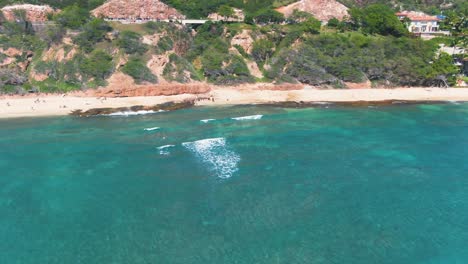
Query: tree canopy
{"x": 377, "y": 19}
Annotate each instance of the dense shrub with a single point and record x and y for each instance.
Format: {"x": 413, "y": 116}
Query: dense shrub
{"x": 265, "y": 16}
{"x": 241, "y": 51}
{"x": 226, "y": 11}
{"x": 328, "y": 58}
{"x": 93, "y": 32}
{"x": 98, "y": 65}
{"x": 73, "y": 17}
{"x": 139, "y": 72}
{"x": 262, "y": 50}
{"x": 333, "y": 22}
{"x": 165, "y": 44}
{"x": 180, "y": 70}
{"x": 377, "y": 19}
{"x": 311, "y": 25}
{"x": 131, "y": 43}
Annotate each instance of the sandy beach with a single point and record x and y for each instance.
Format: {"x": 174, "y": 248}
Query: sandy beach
{"x": 57, "y": 105}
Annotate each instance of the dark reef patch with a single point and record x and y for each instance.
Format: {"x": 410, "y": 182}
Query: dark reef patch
{"x": 170, "y": 106}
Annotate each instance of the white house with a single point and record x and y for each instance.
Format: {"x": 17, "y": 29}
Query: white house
{"x": 419, "y": 22}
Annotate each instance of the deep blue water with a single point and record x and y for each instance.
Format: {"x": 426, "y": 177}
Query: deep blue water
{"x": 318, "y": 185}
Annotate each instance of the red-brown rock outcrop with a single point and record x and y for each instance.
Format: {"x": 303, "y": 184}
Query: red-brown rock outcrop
{"x": 34, "y": 13}
{"x": 136, "y": 10}
{"x": 323, "y": 10}
{"x": 153, "y": 90}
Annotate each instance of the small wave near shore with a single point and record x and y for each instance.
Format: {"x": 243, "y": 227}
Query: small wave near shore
{"x": 252, "y": 117}
{"x": 151, "y": 128}
{"x": 164, "y": 150}
{"x": 134, "y": 113}
{"x": 207, "y": 120}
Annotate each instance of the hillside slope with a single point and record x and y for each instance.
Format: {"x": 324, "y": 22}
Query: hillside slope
{"x": 144, "y": 9}
{"x": 202, "y": 8}
{"x": 323, "y": 10}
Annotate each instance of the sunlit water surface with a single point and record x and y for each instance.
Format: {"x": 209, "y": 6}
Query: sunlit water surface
{"x": 318, "y": 185}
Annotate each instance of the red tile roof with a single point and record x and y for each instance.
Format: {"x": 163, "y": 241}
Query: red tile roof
{"x": 417, "y": 16}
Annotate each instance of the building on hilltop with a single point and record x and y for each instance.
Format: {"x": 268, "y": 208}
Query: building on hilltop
{"x": 31, "y": 13}
{"x": 419, "y": 22}
{"x": 136, "y": 11}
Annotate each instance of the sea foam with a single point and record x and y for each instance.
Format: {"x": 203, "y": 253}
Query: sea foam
{"x": 215, "y": 153}
{"x": 134, "y": 113}
{"x": 207, "y": 120}
{"x": 151, "y": 128}
{"x": 252, "y": 117}
{"x": 164, "y": 150}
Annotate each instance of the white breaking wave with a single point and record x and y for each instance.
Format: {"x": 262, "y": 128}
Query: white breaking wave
{"x": 207, "y": 120}
{"x": 252, "y": 117}
{"x": 215, "y": 153}
{"x": 135, "y": 113}
{"x": 163, "y": 150}
{"x": 166, "y": 146}
{"x": 151, "y": 128}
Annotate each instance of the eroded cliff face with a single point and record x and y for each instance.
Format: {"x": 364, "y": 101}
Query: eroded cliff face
{"x": 157, "y": 63}
{"x": 323, "y": 10}
{"x": 137, "y": 9}
{"x": 13, "y": 65}
{"x": 243, "y": 39}
{"x": 132, "y": 90}
{"x": 33, "y": 13}
{"x": 17, "y": 59}
{"x": 58, "y": 53}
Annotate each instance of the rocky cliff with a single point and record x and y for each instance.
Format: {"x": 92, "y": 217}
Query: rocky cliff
{"x": 33, "y": 13}
{"x": 238, "y": 16}
{"x": 151, "y": 90}
{"x": 321, "y": 9}
{"x": 138, "y": 9}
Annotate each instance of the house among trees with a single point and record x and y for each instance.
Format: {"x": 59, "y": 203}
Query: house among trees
{"x": 136, "y": 11}
{"x": 419, "y": 22}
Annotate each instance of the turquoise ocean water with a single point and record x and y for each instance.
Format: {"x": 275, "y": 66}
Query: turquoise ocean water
{"x": 317, "y": 185}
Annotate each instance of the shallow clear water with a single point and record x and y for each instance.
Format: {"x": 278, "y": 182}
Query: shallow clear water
{"x": 328, "y": 185}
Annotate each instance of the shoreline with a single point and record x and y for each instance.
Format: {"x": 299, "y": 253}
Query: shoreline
{"x": 56, "y": 105}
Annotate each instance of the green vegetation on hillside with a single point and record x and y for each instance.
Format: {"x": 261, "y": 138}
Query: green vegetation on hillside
{"x": 138, "y": 70}
{"x": 201, "y": 8}
{"x": 377, "y": 19}
{"x": 79, "y": 51}
{"x": 352, "y": 57}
